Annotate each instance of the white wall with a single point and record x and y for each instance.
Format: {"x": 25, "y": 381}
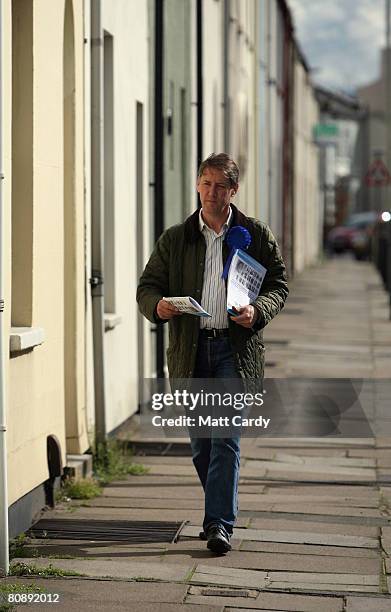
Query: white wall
{"x": 307, "y": 212}
{"x": 127, "y": 22}
{"x": 213, "y": 70}
{"x": 242, "y": 80}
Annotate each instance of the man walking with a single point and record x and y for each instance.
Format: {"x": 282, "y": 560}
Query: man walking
{"x": 188, "y": 260}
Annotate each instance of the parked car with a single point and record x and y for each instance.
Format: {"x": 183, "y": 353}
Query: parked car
{"x": 354, "y": 235}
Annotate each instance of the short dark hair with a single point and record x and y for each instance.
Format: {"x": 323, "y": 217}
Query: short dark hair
{"x": 221, "y": 161}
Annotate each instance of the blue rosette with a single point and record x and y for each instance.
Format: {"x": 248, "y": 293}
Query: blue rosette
{"x": 238, "y": 237}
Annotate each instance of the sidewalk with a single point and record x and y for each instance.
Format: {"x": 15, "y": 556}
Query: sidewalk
{"x": 314, "y": 527}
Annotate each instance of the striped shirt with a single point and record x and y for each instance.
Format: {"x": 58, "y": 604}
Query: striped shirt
{"x": 214, "y": 296}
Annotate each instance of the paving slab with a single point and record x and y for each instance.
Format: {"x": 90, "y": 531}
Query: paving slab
{"x": 317, "y": 500}
{"x": 130, "y": 514}
{"x": 366, "y": 473}
{"x": 330, "y": 587}
{"x": 384, "y": 463}
{"x": 247, "y": 609}
{"x": 97, "y": 550}
{"x": 302, "y": 476}
{"x": 320, "y": 442}
{"x": 250, "y": 487}
{"x": 310, "y": 549}
{"x": 165, "y": 460}
{"x": 155, "y": 546}
{"x": 386, "y": 532}
{"x": 368, "y": 604}
{"x": 300, "y": 508}
{"x": 147, "y": 479}
{"x": 230, "y": 576}
{"x": 121, "y": 569}
{"x": 157, "y": 492}
{"x": 383, "y": 476}
{"x": 213, "y": 591}
{"x": 362, "y": 452}
{"x": 318, "y": 579}
{"x": 257, "y": 452}
{"x": 83, "y": 594}
{"x": 294, "y": 537}
{"x": 312, "y": 526}
{"x": 168, "y": 503}
{"x": 357, "y": 491}
{"x": 126, "y": 606}
{"x": 168, "y": 470}
{"x": 275, "y": 601}
{"x": 182, "y": 552}
{"x": 349, "y": 462}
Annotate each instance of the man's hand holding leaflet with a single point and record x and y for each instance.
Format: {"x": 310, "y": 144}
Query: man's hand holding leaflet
{"x": 187, "y": 305}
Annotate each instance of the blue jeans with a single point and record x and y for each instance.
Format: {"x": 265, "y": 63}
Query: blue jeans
{"x": 217, "y": 460}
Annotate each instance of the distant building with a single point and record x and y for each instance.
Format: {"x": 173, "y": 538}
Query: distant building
{"x": 339, "y": 117}
{"x": 372, "y": 141}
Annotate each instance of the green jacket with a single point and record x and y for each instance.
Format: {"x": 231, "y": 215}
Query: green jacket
{"x": 176, "y": 268}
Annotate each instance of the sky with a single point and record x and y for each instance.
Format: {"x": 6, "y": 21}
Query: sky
{"x": 341, "y": 39}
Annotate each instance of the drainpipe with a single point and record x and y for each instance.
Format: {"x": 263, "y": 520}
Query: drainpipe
{"x": 159, "y": 158}
{"x": 287, "y": 147}
{"x": 226, "y": 58}
{"x": 97, "y": 216}
{"x": 200, "y": 92}
{"x": 4, "y": 556}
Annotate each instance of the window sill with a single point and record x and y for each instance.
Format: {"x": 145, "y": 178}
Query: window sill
{"x": 111, "y": 320}
{"x": 24, "y": 338}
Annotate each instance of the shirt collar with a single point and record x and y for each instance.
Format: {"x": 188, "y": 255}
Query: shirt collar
{"x": 225, "y": 226}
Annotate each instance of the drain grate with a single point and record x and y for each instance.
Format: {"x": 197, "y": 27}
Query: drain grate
{"x": 109, "y": 530}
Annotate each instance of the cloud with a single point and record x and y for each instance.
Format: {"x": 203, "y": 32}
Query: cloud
{"x": 341, "y": 38}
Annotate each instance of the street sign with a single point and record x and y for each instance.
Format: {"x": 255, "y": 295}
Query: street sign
{"x": 325, "y": 133}
{"x": 377, "y": 175}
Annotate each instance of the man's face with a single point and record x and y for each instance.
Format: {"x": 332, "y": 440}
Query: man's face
{"x": 215, "y": 191}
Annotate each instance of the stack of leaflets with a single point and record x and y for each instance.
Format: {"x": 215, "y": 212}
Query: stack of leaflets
{"x": 245, "y": 278}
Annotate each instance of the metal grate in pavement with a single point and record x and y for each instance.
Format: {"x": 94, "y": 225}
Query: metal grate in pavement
{"x": 108, "y": 530}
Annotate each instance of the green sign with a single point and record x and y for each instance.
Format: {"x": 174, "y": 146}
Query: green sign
{"x": 325, "y": 132}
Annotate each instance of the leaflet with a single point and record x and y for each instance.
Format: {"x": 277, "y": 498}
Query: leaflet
{"x": 245, "y": 278}
{"x": 188, "y": 305}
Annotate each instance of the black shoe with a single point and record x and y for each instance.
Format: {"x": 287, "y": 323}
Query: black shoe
{"x": 202, "y": 535}
{"x": 218, "y": 541}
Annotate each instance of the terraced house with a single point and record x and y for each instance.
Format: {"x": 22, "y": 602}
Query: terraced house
{"x": 107, "y": 108}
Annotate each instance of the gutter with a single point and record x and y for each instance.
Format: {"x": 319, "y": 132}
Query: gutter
{"x": 4, "y": 554}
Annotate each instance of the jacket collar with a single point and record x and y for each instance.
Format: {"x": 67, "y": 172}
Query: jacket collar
{"x": 192, "y": 225}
